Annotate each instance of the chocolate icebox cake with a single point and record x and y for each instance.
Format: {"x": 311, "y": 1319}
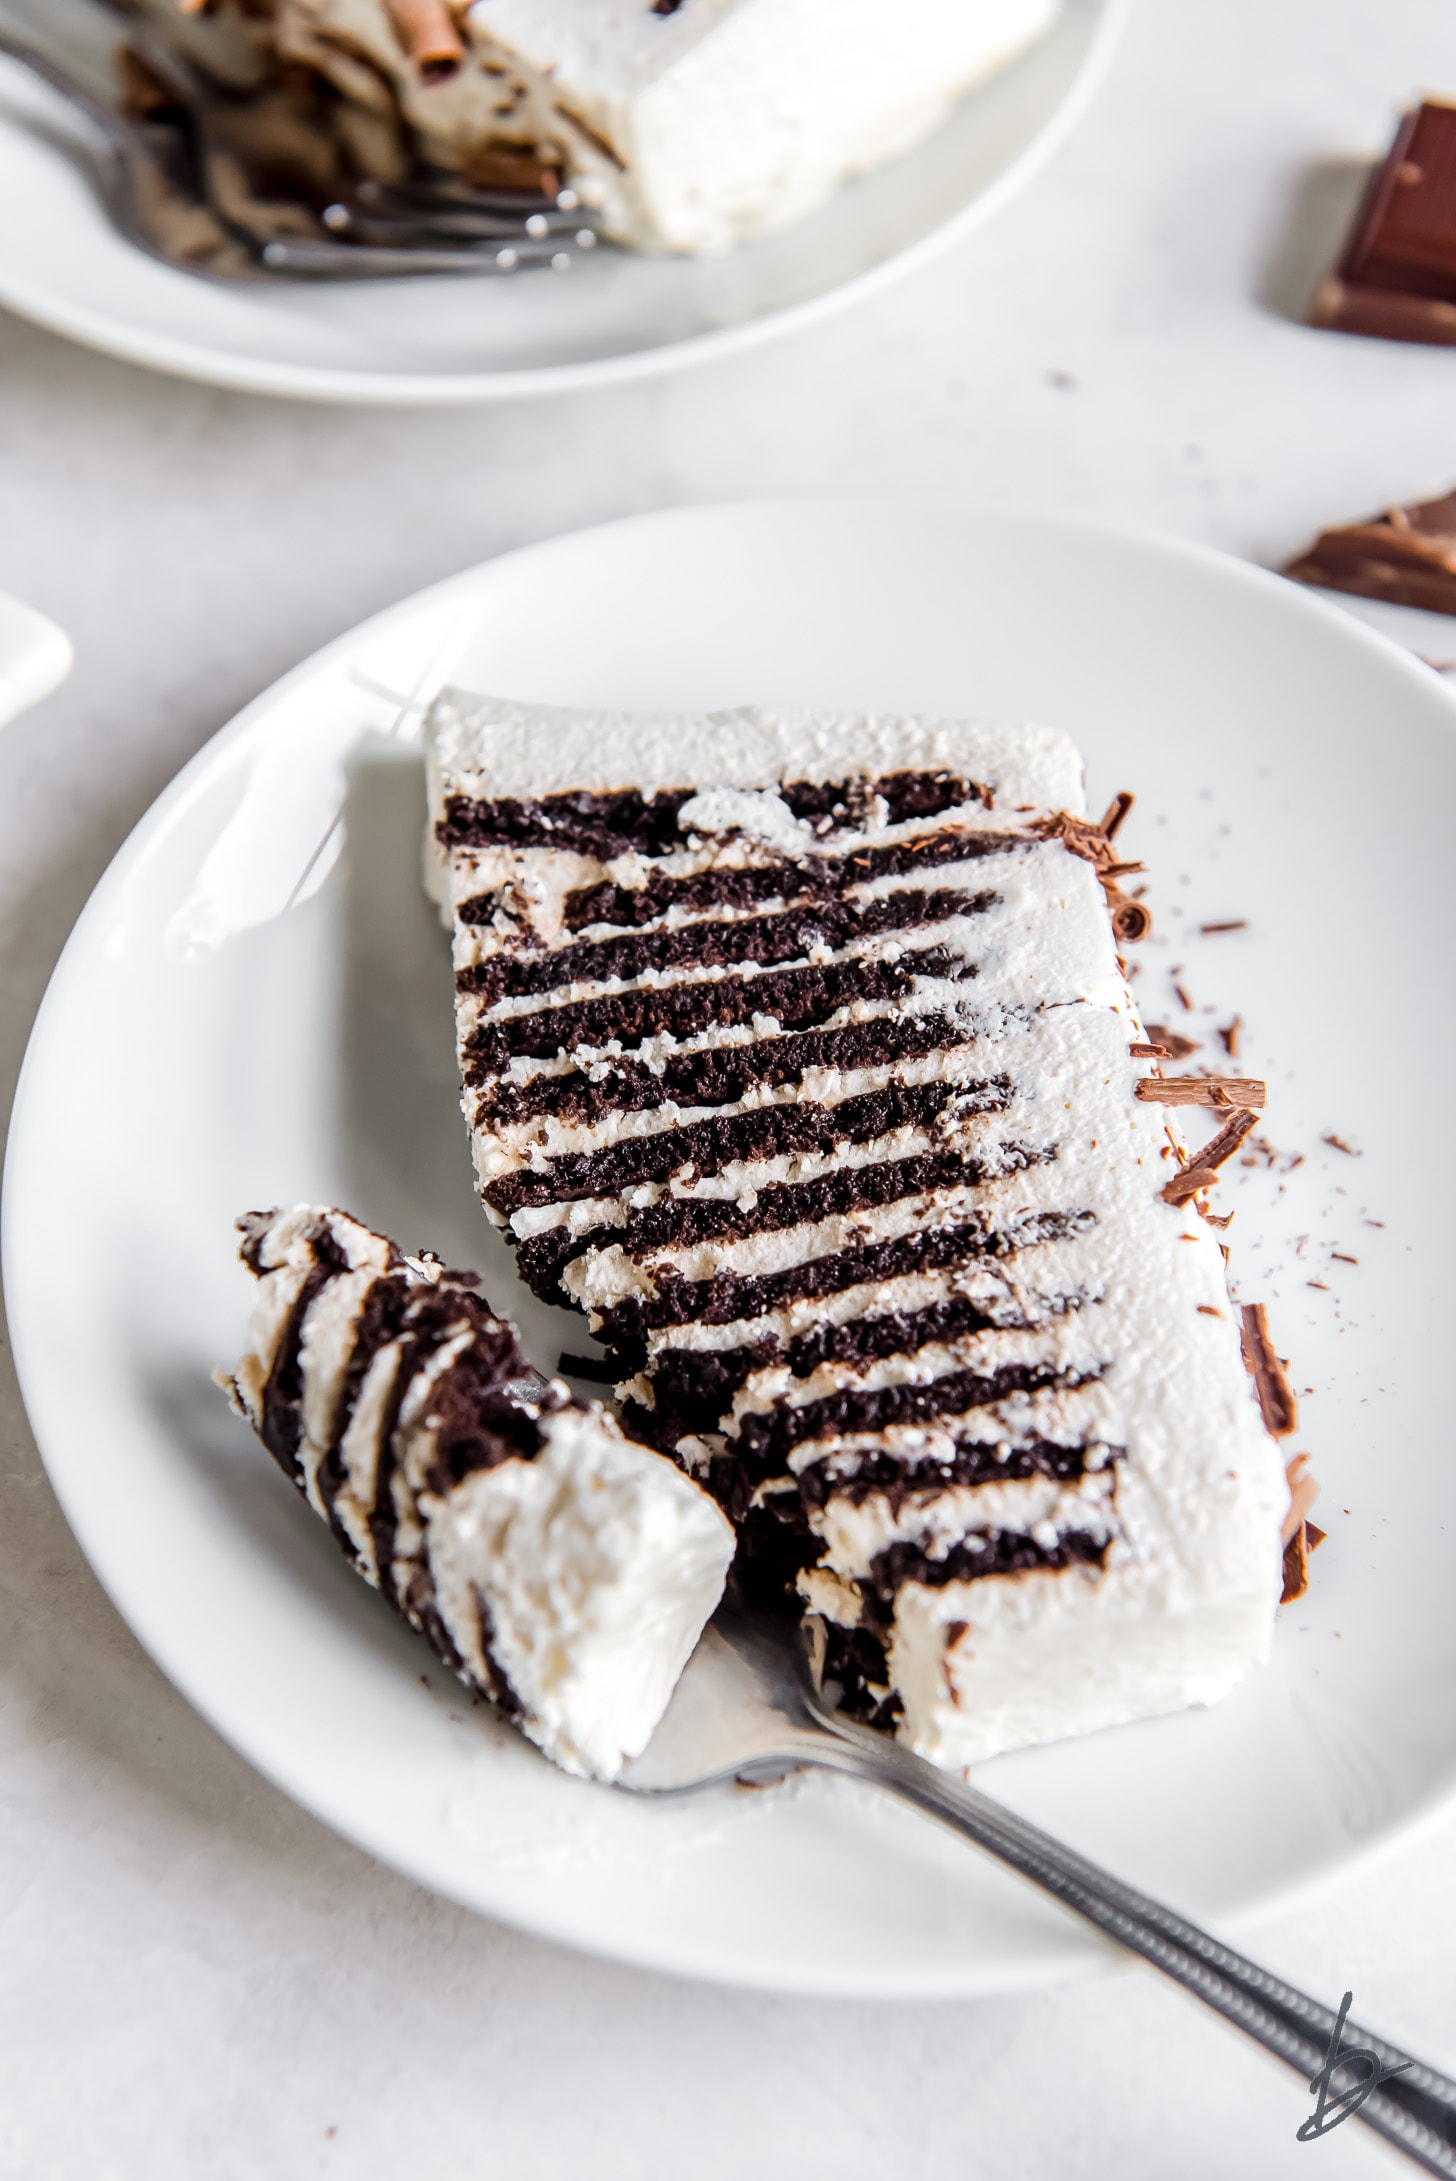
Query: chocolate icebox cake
{"x": 561, "y": 1571}
{"x": 798, "y": 1056}
{"x": 691, "y": 125}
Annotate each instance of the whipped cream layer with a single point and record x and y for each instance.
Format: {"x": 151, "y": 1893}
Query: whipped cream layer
{"x": 557, "y": 1568}
{"x": 796, "y": 1054}
{"x": 694, "y": 127}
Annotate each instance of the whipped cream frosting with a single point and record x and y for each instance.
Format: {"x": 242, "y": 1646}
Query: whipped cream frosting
{"x": 557, "y": 1568}
{"x": 796, "y": 1054}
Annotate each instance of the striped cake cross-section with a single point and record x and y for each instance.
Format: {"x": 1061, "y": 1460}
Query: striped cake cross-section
{"x": 558, "y": 1569}
{"x": 797, "y": 1055}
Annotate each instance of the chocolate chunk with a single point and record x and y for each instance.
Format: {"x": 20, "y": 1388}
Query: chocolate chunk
{"x": 1396, "y": 278}
{"x": 1200, "y": 1090}
{"x": 1407, "y": 556}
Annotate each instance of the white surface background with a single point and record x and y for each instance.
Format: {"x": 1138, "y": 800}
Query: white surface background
{"x": 195, "y": 1978}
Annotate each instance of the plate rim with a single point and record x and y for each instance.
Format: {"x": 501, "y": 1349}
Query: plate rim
{"x": 1077, "y": 1959}
{"x": 178, "y": 357}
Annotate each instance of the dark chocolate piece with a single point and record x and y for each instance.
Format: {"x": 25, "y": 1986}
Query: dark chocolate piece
{"x": 1407, "y": 556}
{"x": 1396, "y": 278}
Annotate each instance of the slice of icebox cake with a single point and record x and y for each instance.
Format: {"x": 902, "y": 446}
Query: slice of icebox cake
{"x": 799, "y": 1057}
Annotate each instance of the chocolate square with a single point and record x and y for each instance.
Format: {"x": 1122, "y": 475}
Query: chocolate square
{"x": 1397, "y": 276}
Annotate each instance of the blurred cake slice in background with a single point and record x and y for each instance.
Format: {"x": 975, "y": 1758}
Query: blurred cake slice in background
{"x": 689, "y": 125}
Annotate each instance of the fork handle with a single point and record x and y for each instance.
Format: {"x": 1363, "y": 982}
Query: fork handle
{"x": 1415, "y": 2110}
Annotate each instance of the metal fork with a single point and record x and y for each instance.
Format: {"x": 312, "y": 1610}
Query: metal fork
{"x": 750, "y": 1705}
{"x": 156, "y": 185}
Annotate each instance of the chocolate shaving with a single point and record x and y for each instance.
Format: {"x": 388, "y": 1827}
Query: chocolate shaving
{"x": 1227, "y": 1141}
{"x": 1338, "y": 1143}
{"x": 1187, "y": 1183}
{"x": 1228, "y": 1037}
{"x": 1204, "y": 1171}
{"x": 1173, "y": 1042}
{"x": 1300, "y": 1536}
{"x": 1277, "y": 1404}
{"x": 1150, "y": 1052}
{"x": 1229, "y": 923}
{"x": 1296, "y": 1567}
{"x": 1201, "y": 1090}
{"x": 426, "y": 30}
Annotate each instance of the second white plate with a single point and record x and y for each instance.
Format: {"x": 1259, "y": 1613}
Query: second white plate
{"x": 256, "y": 1007}
{"x": 615, "y": 317}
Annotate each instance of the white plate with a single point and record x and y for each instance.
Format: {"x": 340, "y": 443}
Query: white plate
{"x": 615, "y": 317}
{"x": 255, "y": 1007}
{"x": 35, "y": 658}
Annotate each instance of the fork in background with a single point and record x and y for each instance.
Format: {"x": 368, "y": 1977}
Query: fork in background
{"x": 233, "y": 189}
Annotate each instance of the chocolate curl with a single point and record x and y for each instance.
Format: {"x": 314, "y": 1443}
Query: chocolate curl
{"x": 1204, "y": 1171}
{"x": 1396, "y": 278}
{"x": 1277, "y": 1404}
{"x": 1176, "y": 1046}
{"x": 1300, "y": 1536}
{"x": 426, "y": 30}
{"x": 1199, "y": 1090}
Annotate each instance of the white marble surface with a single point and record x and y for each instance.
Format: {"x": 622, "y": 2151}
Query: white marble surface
{"x": 196, "y": 1979}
